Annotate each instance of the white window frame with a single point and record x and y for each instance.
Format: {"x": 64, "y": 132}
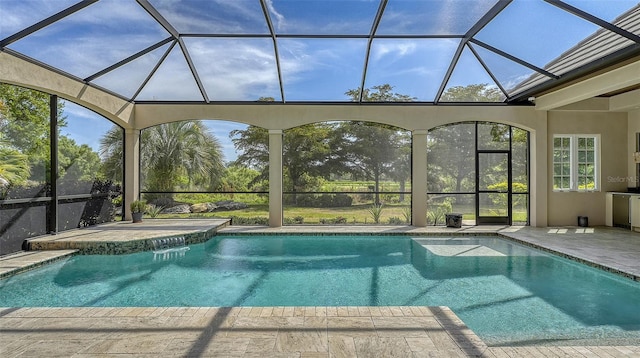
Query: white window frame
{"x": 573, "y": 161}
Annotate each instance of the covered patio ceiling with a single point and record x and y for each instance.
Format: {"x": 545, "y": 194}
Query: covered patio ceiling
{"x": 299, "y": 51}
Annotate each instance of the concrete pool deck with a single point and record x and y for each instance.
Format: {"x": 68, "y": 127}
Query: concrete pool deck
{"x": 284, "y": 331}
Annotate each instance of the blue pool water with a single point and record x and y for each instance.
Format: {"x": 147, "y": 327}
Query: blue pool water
{"x": 506, "y": 293}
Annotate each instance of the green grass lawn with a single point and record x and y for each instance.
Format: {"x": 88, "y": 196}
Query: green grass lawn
{"x": 394, "y": 210}
{"x": 355, "y": 214}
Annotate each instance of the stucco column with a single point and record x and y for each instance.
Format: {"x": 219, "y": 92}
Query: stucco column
{"x": 419, "y": 178}
{"x": 540, "y": 172}
{"x": 275, "y": 177}
{"x": 131, "y": 169}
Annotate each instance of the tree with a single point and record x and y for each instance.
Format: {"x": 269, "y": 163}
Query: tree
{"x": 112, "y": 152}
{"x": 172, "y": 153}
{"x": 24, "y": 126}
{"x": 14, "y": 167}
{"x": 453, "y": 165}
{"x": 472, "y": 93}
{"x": 374, "y": 150}
{"x": 451, "y": 158}
{"x": 401, "y": 170}
{"x": 239, "y": 178}
{"x": 172, "y": 150}
{"x": 306, "y": 153}
{"x": 253, "y": 144}
{"x": 77, "y": 162}
{"x": 25, "y": 140}
{"x": 380, "y": 93}
{"x": 371, "y": 151}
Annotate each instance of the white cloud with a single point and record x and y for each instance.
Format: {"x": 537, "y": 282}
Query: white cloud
{"x": 235, "y": 69}
{"x": 392, "y": 50}
{"x": 278, "y": 20}
{"x": 511, "y": 82}
{"x": 213, "y": 16}
{"x": 19, "y": 14}
{"x": 172, "y": 81}
{"x": 112, "y": 14}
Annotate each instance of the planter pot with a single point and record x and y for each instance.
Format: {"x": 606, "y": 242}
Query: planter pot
{"x": 583, "y": 221}
{"x": 137, "y": 217}
{"x": 454, "y": 220}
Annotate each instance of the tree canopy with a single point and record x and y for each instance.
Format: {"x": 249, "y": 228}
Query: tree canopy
{"x": 25, "y": 137}
{"x": 481, "y": 92}
{"x": 173, "y": 154}
{"x": 363, "y": 150}
{"x": 372, "y": 151}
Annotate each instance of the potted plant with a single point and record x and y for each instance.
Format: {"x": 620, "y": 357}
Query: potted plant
{"x": 137, "y": 209}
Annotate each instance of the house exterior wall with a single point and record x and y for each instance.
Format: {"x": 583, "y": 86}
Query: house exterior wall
{"x": 563, "y": 208}
{"x": 633, "y": 124}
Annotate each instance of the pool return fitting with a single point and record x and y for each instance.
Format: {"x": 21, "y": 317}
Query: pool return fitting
{"x": 168, "y": 248}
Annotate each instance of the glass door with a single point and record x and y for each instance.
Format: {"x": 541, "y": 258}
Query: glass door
{"x": 493, "y": 202}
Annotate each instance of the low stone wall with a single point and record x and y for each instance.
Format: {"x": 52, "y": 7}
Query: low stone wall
{"x": 117, "y": 247}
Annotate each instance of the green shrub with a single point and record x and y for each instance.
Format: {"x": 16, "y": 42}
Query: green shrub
{"x": 396, "y": 221}
{"x": 256, "y": 220}
{"x": 406, "y": 213}
{"x": 337, "y": 220}
{"x": 294, "y": 220}
{"x": 138, "y": 206}
{"x": 436, "y": 212}
{"x": 154, "y": 210}
{"x": 376, "y": 212}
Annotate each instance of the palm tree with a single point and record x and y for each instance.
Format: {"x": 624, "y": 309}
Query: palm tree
{"x": 112, "y": 154}
{"x": 14, "y": 167}
{"x": 169, "y": 153}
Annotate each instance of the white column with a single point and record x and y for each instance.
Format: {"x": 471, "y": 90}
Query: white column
{"x": 131, "y": 169}
{"x": 275, "y": 177}
{"x": 539, "y": 174}
{"x": 419, "y": 178}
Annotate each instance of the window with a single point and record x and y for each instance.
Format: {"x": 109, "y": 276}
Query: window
{"x": 575, "y": 164}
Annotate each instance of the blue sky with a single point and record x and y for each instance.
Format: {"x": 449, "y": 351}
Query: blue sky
{"x": 244, "y": 69}
{"x": 87, "y": 127}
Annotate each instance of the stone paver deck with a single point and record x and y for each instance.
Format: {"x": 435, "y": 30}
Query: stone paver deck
{"x": 257, "y": 332}
{"x": 613, "y": 249}
{"x": 286, "y": 331}
{"x": 22, "y": 261}
{"x": 236, "y": 332}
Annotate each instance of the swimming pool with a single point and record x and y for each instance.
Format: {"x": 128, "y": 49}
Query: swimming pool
{"x": 506, "y": 293}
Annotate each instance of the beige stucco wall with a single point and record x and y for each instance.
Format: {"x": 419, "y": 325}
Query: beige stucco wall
{"x": 284, "y": 116}
{"x": 565, "y": 207}
{"x": 14, "y": 70}
{"x": 633, "y": 127}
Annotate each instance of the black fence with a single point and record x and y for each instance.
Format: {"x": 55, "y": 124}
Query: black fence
{"x": 26, "y": 212}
